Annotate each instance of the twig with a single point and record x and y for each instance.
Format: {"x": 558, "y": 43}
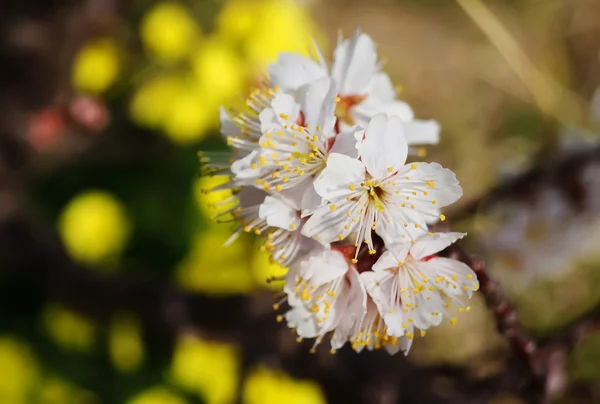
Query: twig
{"x": 561, "y": 173}
{"x": 507, "y": 320}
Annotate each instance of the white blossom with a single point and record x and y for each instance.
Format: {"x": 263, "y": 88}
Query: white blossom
{"x": 379, "y": 192}
{"x": 416, "y": 289}
{"x": 328, "y": 287}
{"x": 363, "y": 90}
{"x": 318, "y": 169}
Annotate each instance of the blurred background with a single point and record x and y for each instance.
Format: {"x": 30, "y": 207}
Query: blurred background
{"x": 114, "y": 285}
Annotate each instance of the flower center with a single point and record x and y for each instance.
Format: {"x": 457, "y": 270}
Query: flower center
{"x": 345, "y": 104}
{"x": 375, "y": 195}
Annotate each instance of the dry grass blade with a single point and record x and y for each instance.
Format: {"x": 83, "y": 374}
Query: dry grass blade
{"x": 552, "y": 98}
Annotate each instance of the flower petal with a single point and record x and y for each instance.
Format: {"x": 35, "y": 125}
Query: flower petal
{"x": 311, "y": 201}
{"x": 352, "y": 311}
{"x": 300, "y": 319}
{"x": 285, "y": 107}
{"x": 335, "y": 180}
{"x": 278, "y": 214}
{"x": 246, "y": 168}
{"x": 387, "y": 260}
{"x": 318, "y": 105}
{"x": 425, "y": 187}
{"x": 421, "y": 132}
{"x": 327, "y": 223}
{"x": 427, "y": 245}
{"x": 355, "y": 63}
{"x": 323, "y": 266}
{"x": 227, "y": 125}
{"x": 460, "y": 277}
{"x": 291, "y": 71}
{"x": 345, "y": 143}
{"x": 384, "y": 148}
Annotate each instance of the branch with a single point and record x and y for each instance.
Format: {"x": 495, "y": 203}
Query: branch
{"x": 561, "y": 174}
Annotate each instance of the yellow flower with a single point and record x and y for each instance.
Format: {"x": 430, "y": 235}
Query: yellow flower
{"x": 282, "y": 25}
{"x": 94, "y": 227}
{"x": 19, "y": 370}
{"x": 96, "y": 66}
{"x": 169, "y": 31}
{"x": 214, "y": 269}
{"x": 207, "y": 368}
{"x": 262, "y": 269}
{"x": 68, "y": 329}
{"x": 55, "y": 390}
{"x": 265, "y": 386}
{"x": 146, "y": 110}
{"x": 189, "y": 119}
{"x": 125, "y": 343}
{"x": 238, "y": 18}
{"x": 219, "y": 72}
{"x": 157, "y": 395}
{"x": 206, "y": 201}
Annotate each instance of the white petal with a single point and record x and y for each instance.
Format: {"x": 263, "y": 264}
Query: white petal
{"x": 335, "y": 179}
{"x": 323, "y": 266}
{"x": 278, "y": 214}
{"x": 292, "y": 71}
{"x": 327, "y": 225}
{"x": 384, "y": 148}
{"x": 383, "y": 90}
{"x": 353, "y": 311}
{"x": 311, "y": 201}
{"x": 380, "y": 286}
{"x": 427, "y": 187}
{"x": 285, "y": 107}
{"x": 355, "y": 63}
{"x": 421, "y": 132}
{"x": 303, "y": 321}
{"x": 293, "y": 196}
{"x": 247, "y": 167}
{"x": 387, "y": 260}
{"x": 394, "y": 323}
{"x": 428, "y": 245}
{"x": 450, "y": 267}
{"x": 318, "y": 104}
{"x": 268, "y": 120}
{"x": 345, "y": 143}
{"x": 228, "y": 127}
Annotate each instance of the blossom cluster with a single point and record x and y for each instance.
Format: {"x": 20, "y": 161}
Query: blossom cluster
{"x": 319, "y": 168}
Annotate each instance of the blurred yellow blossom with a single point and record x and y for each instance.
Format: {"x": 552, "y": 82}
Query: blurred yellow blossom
{"x": 189, "y": 118}
{"x": 214, "y": 269}
{"x": 282, "y": 25}
{"x": 206, "y": 201}
{"x": 169, "y": 31}
{"x": 96, "y": 66}
{"x": 157, "y": 395}
{"x": 19, "y": 371}
{"x": 153, "y": 101}
{"x": 237, "y": 19}
{"x": 125, "y": 344}
{"x": 94, "y": 227}
{"x": 55, "y": 390}
{"x": 219, "y": 72}
{"x": 207, "y": 368}
{"x": 262, "y": 269}
{"x": 68, "y": 329}
{"x": 266, "y": 386}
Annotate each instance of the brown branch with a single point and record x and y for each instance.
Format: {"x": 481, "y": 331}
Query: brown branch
{"x": 558, "y": 173}
{"x": 505, "y": 313}
{"x": 546, "y": 360}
